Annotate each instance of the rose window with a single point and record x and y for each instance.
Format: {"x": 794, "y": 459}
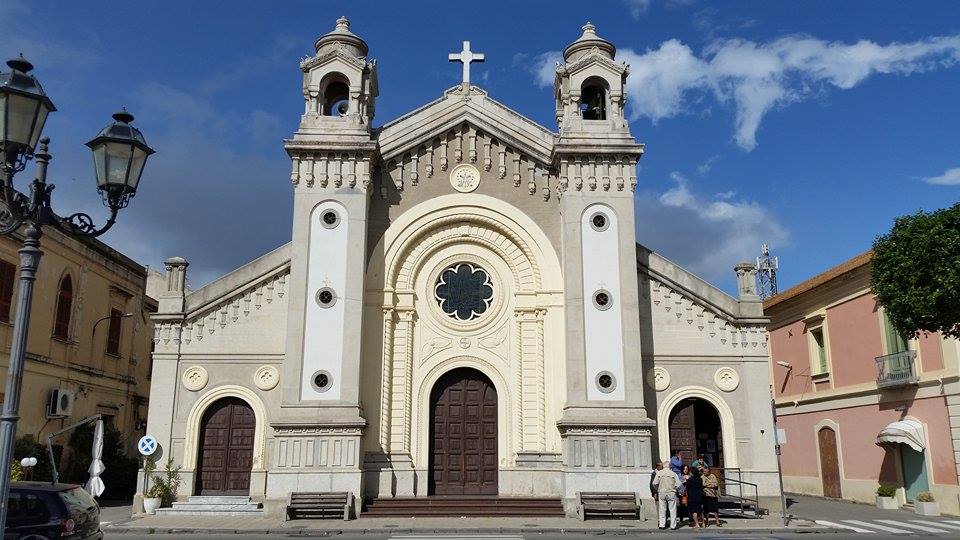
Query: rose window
{"x": 464, "y": 291}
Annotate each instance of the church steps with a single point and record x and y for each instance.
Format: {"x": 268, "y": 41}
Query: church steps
{"x": 462, "y": 506}
{"x": 206, "y": 505}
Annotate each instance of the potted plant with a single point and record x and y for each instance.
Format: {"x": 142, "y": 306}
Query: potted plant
{"x": 925, "y": 505}
{"x": 886, "y": 497}
{"x": 152, "y": 499}
{"x": 152, "y": 496}
{"x": 166, "y": 485}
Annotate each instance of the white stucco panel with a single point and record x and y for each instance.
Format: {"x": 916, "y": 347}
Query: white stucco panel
{"x": 323, "y": 329}
{"x": 602, "y": 324}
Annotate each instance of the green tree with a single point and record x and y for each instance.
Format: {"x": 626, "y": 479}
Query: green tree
{"x": 915, "y": 272}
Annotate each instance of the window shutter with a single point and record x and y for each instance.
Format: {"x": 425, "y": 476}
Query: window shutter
{"x": 113, "y": 335}
{"x": 61, "y": 326}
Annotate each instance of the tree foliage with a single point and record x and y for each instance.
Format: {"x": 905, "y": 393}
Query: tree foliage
{"x": 915, "y": 272}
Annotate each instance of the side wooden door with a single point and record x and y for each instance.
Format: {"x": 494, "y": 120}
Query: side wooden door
{"x": 829, "y": 463}
{"x": 683, "y": 430}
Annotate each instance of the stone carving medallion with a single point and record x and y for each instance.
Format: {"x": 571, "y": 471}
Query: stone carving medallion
{"x": 195, "y": 378}
{"x": 266, "y": 378}
{"x": 727, "y": 379}
{"x": 658, "y": 379}
{"x": 465, "y": 178}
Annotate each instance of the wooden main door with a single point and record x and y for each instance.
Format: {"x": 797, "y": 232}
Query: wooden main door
{"x": 463, "y": 434}
{"x": 226, "y": 448}
{"x": 829, "y": 463}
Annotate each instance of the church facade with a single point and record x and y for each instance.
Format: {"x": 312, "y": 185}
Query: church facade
{"x": 462, "y": 310}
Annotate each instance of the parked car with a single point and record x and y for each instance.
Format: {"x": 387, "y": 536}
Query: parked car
{"x": 38, "y": 510}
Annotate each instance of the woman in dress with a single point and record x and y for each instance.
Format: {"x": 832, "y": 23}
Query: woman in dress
{"x": 695, "y": 498}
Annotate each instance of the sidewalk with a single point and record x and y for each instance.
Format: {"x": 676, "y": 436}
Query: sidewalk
{"x": 366, "y": 525}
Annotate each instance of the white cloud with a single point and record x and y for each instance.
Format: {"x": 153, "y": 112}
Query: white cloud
{"x": 705, "y": 167}
{"x": 637, "y": 7}
{"x": 950, "y": 177}
{"x": 707, "y": 235}
{"x": 756, "y": 78}
{"x": 543, "y": 66}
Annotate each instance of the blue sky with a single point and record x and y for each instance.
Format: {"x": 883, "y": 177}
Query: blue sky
{"x": 808, "y": 126}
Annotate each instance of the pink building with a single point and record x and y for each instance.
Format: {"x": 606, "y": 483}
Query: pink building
{"x": 858, "y": 404}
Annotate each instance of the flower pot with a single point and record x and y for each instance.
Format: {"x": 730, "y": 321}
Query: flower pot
{"x": 150, "y": 504}
{"x": 887, "y": 503}
{"x": 926, "y": 508}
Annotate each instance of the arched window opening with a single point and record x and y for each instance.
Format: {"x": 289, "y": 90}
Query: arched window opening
{"x": 61, "y": 325}
{"x": 593, "y": 100}
{"x": 336, "y": 99}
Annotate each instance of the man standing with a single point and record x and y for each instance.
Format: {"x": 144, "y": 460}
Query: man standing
{"x": 666, "y": 482}
{"x": 658, "y": 466}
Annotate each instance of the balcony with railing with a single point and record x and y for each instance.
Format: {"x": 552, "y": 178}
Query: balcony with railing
{"x": 896, "y": 369}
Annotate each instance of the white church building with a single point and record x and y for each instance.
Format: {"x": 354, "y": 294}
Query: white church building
{"x": 463, "y": 310}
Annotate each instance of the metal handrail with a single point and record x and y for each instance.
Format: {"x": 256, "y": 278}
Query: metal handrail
{"x": 896, "y": 369}
{"x": 739, "y": 484}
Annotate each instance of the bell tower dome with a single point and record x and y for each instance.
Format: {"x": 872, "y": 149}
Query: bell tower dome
{"x": 589, "y": 87}
{"x": 339, "y": 84}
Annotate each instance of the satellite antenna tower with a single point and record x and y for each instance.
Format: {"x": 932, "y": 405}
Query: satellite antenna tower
{"x": 767, "y": 267}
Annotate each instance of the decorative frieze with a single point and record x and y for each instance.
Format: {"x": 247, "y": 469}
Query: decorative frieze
{"x": 707, "y": 321}
{"x": 600, "y": 172}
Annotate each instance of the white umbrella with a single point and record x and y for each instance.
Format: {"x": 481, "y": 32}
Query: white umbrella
{"x": 95, "y": 485}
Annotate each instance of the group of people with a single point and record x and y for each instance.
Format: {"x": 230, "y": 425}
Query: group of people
{"x": 692, "y": 489}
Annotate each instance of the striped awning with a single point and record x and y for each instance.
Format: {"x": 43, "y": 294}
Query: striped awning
{"x": 909, "y": 432}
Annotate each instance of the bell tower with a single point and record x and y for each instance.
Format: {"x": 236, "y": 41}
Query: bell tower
{"x": 596, "y": 159}
{"x": 332, "y": 153}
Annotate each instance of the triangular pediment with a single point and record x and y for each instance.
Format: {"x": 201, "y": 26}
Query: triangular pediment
{"x": 475, "y": 108}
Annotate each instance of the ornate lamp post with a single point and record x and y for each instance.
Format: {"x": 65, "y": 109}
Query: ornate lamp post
{"x": 119, "y": 154}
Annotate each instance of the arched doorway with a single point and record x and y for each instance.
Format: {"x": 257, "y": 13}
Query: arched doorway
{"x": 463, "y": 434}
{"x": 696, "y": 430}
{"x": 225, "y": 449}
{"x": 829, "y": 462}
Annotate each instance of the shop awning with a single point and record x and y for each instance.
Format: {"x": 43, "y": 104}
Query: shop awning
{"x": 909, "y": 432}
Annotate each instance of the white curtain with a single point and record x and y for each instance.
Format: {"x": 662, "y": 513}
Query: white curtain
{"x": 95, "y": 484}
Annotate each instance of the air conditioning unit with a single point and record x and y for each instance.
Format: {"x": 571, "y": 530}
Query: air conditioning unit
{"x": 60, "y": 403}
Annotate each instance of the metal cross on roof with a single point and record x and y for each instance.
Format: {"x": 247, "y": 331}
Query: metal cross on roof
{"x": 466, "y": 56}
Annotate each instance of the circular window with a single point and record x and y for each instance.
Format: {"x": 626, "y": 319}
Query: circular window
{"x": 464, "y": 291}
{"x": 321, "y": 381}
{"x": 599, "y": 221}
{"x": 606, "y": 382}
{"x": 329, "y": 219}
{"x": 326, "y": 297}
{"x": 602, "y": 299}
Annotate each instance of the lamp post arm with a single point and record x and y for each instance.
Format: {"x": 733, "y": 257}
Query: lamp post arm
{"x": 81, "y": 224}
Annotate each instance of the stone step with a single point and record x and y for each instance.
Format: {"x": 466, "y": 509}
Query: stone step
{"x": 219, "y": 499}
{"x": 210, "y": 505}
{"x": 257, "y": 512}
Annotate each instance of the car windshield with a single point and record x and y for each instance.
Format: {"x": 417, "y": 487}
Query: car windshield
{"x": 77, "y": 500}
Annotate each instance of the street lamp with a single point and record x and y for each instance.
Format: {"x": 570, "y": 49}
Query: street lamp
{"x": 119, "y": 155}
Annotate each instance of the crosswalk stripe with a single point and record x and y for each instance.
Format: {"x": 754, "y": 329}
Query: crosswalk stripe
{"x": 878, "y": 526}
{"x": 938, "y": 524}
{"x": 950, "y": 521}
{"x": 842, "y": 526}
{"x": 912, "y": 526}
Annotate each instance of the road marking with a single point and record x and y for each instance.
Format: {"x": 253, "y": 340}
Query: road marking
{"x": 842, "y": 526}
{"x": 912, "y": 526}
{"x": 877, "y": 526}
{"x": 950, "y": 521}
{"x": 937, "y": 524}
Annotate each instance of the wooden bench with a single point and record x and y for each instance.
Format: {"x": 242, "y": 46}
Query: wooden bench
{"x": 610, "y": 505}
{"x": 334, "y": 505}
